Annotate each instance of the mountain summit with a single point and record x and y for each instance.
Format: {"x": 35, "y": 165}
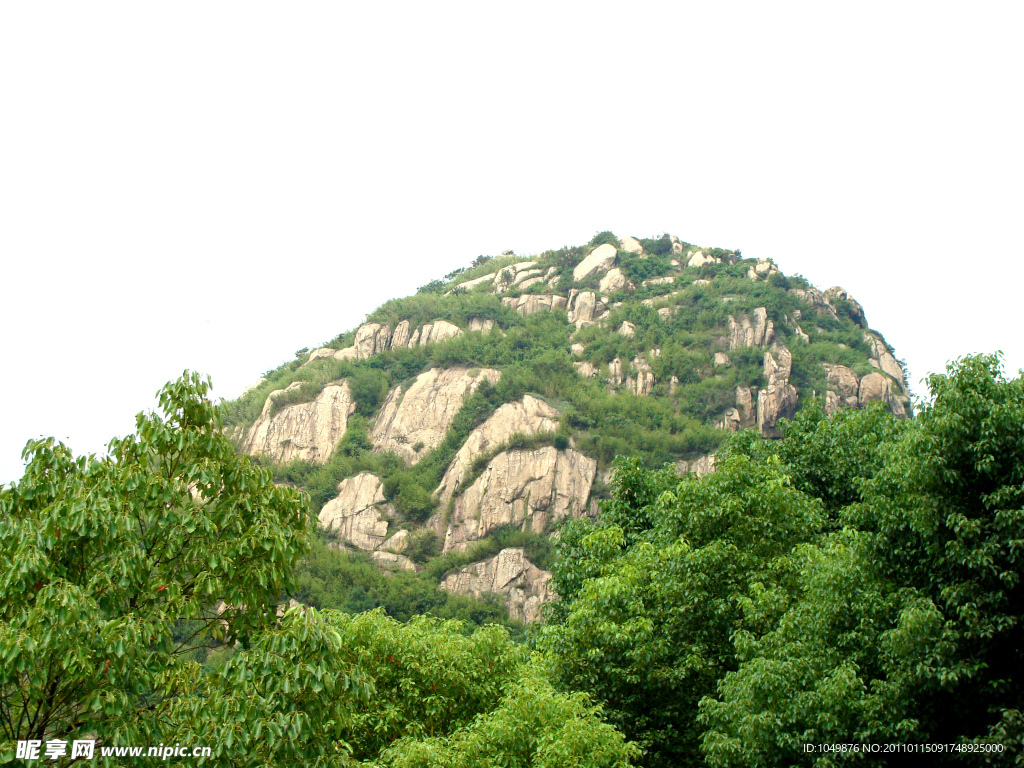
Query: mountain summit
{"x": 452, "y": 432}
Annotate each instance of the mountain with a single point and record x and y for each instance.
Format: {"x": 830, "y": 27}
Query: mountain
{"x": 448, "y": 436}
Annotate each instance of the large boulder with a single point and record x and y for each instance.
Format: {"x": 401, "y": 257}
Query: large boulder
{"x": 754, "y": 331}
{"x": 307, "y": 431}
{"x": 526, "y": 489}
{"x": 523, "y": 585}
{"x": 856, "y": 310}
{"x": 585, "y": 308}
{"x": 535, "y": 302}
{"x": 615, "y": 281}
{"x": 779, "y": 399}
{"x": 600, "y": 260}
{"x": 878, "y": 386}
{"x": 359, "y": 513}
{"x": 530, "y": 416}
{"x": 413, "y": 422}
{"x": 630, "y": 245}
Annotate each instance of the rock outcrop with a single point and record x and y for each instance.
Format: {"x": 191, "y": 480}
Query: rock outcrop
{"x": 585, "y": 308}
{"x": 374, "y": 338}
{"x": 600, "y": 260}
{"x": 534, "y": 302}
{"x": 527, "y": 489}
{"x": 835, "y": 293}
{"x": 307, "y": 431}
{"x": 413, "y": 422}
{"x": 883, "y": 359}
{"x": 630, "y": 245}
{"x": 523, "y": 585}
{"x": 530, "y": 416}
{"x": 755, "y": 331}
{"x": 779, "y": 399}
{"x": 878, "y": 386}
{"x": 359, "y": 513}
{"x": 615, "y": 281}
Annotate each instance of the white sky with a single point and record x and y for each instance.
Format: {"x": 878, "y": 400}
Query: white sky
{"x": 216, "y": 185}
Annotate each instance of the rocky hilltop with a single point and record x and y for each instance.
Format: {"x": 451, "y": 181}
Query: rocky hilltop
{"x": 487, "y": 408}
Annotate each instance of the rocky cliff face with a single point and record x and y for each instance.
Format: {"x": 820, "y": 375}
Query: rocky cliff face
{"x": 413, "y": 422}
{"x": 524, "y": 489}
{"x": 509, "y": 574}
{"x": 626, "y": 319}
{"x": 307, "y": 431}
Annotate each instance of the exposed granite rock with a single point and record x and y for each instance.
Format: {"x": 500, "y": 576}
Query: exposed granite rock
{"x": 817, "y": 300}
{"x": 478, "y": 324}
{"x": 878, "y": 386}
{"x": 397, "y": 542}
{"x": 389, "y": 561}
{"x": 615, "y": 281}
{"x": 359, "y": 512}
{"x": 664, "y": 313}
{"x": 471, "y": 284}
{"x": 746, "y": 406}
{"x": 856, "y": 310}
{"x": 307, "y": 431}
{"x": 423, "y": 413}
{"x": 530, "y": 416}
{"x": 401, "y": 335}
{"x": 883, "y": 359}
{"x": 721, "y": 359}
{"x": 585, "y": 369}
{"x": 779, "y": 399}
{"x": 576, "y": 349}
{"x": 585, "y": 309}
{"x": 730, "y": 421}
{"x": 524, "y": 488}
{"x": 698, "y": 259}
{"x": 627, "y": 329}
{"x": 600, "y": 260}
{"x": 439, "y": 330}
{"x": 630, "y": 245}
{"x": 509, "y": 573}
{"x": 757, "y": 331}
{"x": 659, "y": 281}
{"x": 616, "y": 376}
{"x": 703, "y": 465}
{"x": 844, "y": 385}
{"x": 530, "y": 303}
{"x": 644, "y": 381}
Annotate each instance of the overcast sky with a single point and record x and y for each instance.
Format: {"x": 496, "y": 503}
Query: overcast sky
{"x": 215, "y": 185}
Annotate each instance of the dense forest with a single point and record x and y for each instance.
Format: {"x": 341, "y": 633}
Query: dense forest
{"x": 844, "y": 587}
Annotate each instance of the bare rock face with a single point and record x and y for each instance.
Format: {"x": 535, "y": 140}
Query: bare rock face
{"x": 779, "y": 399}
{"x": 745, "y": 406}
{"x": 627, "y": 329}
{"x": 704, "y": 465}
{"x": 530, "y": 303}
{"x": 530, "y": 416}
{"x": 371, "y": 338}
{"x": 643, "y": 384}
{"x": 877, "y": 386}
{"x": 585, "y": 369}
{"x": 659, "y": 281}
{"x": 389, "y": 561}
{"x": 630, "y": 245}
{"x": 439, "y": 330}
{"x": 359, "y": 512}
{"x": 600, "y": 260}
{"x": 843, "y": 386}
{"x": 420, "y": 416}
{"x": 616, "y": 377}
{"x": 882, "y": 359}
{"x": 523, "y": 488}
{"x": 307, "y": 431}
{"x": 509, "y": 573}
{"x": 816, "y": 300}
{"x": 698, "y": 259}
{"x": 615, "y": 281}
{"x": 585, "y": 309}
{"x": 756, "y": 331}
{"x": 471, "y": 284}
{"x": 721, "y": 359}
{"x": 856, "y": 310}
{"x": 730, "y": 421}
{"x": 478, "y": 324}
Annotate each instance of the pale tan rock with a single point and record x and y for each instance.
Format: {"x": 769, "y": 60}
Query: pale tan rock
{"x": 576, "y": 349}
{"x": 471, "y": 284}
{"x": 630, "y": 245}
{"x": 528, "y": 274}
{"x": 627, "y": 329}
{"x": 730, "y": 421}
{"x": 643, "y": 384}
{"x": 703, "y": 465}
{"x": 359, "y": 512}
{"x": 509, "y": 573}
{"x": 319, "y": 354}
{"x": 721, "y": 359}
{"x": 845, "y": 383}
{"x": 665, "y": 313}
{"x": 531, "y": 282}
{"x": 585, "y": 309}
{"x": 883, "y": 359}
{"x": 438, "y": 331}
{"x": 677, "y": 250}
{"x": 817, "y": 300}
{"x": 530, "y": 416}
{"x": 616, "y": 376}
{"x": 349, "y": 353}
{"x": 307, "y": 431}
{"x": 400, "y": 338}
{"x": 615, "y": 281}
{"x": 600, "y": 260}
{"x": 756, "y": 331}
{"x": 585, "y": 369}
{"x": 423, "y": 413}
{"x": 779, "y": 399}
{"x": 877, "y": 386}
{"x": 530, "y": 303}
{"x": 659, "y": 281}
{"x": 698, "y": 259}
{"x": 856, "y": 310}
{"x": 389, "y": 561}
{"x": 397, "y": 542}
{"x": 526, "y": 489}
{"x": 701, "y": 282}
{"x": 371, "y": 338}
{"x": 480, "y": 325}
{"x": 745, "y": 407}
